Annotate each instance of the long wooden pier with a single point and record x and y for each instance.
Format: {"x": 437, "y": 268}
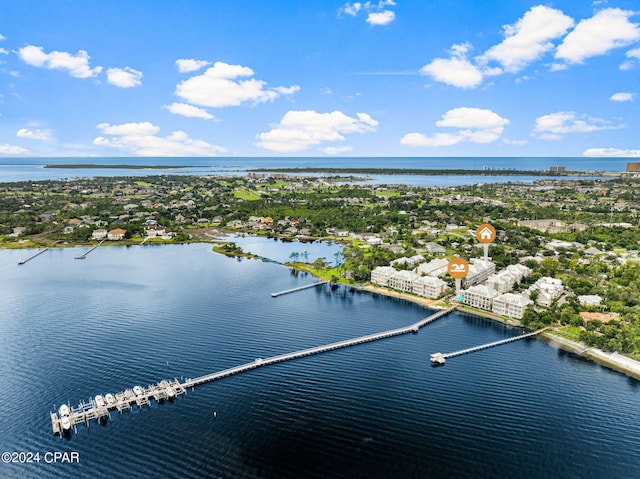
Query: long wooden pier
{"x": 91, "y": 410}
{"x": 299, "y": 288}
{"x": 440, "y": 358}
{"x": 37, "y": 253}
{"x": 84, "y": 255}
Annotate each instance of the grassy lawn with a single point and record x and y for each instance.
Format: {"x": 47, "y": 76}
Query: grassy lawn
{"x": 388, "y": 193}
{"x": 244, "y": 194}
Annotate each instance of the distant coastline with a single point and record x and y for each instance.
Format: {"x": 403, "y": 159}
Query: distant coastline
{"x": 436, "y": 172}
{"x": 119, "y": 167}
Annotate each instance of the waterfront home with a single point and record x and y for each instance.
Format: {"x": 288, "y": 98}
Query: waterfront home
{"x": 99, "y": 234}
{"x": 403, "y": 280}
{"x": 429, "y": 287}
{"x": 511, "y": 305}
{"x": 116, "y": 234}
{"x": 382, "y": 274}
{"x": 479, "y": 296}
{"x": 548, "y": 290}
{"x": 502, "y": 281}
{"x": 590, "y": 300}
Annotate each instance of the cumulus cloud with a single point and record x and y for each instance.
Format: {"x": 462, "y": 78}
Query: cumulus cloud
{"x": 300, "y": 130}
{"x": 381, "y": 18}
{"x": 612, "y": 152}
{"x": 221, "y": 86}
{"x": 474, "y": 125}
{"x": 77, "y": 65}
{"x": 6, "y": 149}
{"x": 188, "y": 110}
{"x": 528, "y": 39}
{"x": 39, "y": 135}
{"x": 633, "y": 56}
{"x": 124, "y": 77}
{"x": 140, "y": 139}
{"x": 187, "y": 65}
{"x": 622, "y": 97}
{"x": 555, "y": 125}
{"x": 606, "y": 30}
{"x": 457, "y": 70}
{"x": 377, "y": 14}
{"x": 4, "y": 51}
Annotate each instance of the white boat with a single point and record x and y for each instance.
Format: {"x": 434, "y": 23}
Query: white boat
{"x": 99, "y": 401}
{"x": 64, "y": 410}
{"x": 138, "y": 391}
{"x": 110, "y": 399}
{"x": 65, "y": 422}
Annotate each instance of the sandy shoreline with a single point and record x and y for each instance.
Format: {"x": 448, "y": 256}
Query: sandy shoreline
{"x": 615, "y": 361}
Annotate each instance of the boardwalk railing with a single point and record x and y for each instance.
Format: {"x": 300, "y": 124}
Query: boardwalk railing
{"x": 84, "y": 255}
{"x": 299, "y": 288}
{"x": 37, "y": 253}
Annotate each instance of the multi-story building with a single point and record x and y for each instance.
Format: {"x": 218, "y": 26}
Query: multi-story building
{"x": 510, "y": 305}
{"x": 548, "y": 290}
{"x": 479, "y": 271}
{"x": 436, "y": 267}
{"x": 403, "y": 280}
{"x": 381, "y": 275}
{"x": 479, "y": 296}
{"x": 429, "y": 287}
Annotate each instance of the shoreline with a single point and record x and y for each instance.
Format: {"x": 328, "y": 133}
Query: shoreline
{"x": 615, "y": 361}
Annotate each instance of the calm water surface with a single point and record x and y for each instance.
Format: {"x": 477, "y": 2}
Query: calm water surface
{"x": 70, "y": 329}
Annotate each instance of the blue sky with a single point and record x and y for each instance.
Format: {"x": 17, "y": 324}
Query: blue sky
{"x": 316, "y": 78}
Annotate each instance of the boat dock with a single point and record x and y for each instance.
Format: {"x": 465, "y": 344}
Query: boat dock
{"x": 440, "y": 358}
{"x": 100, "y": 408}
{"x": 37, "y": 253}
{"x": 84, "y": 255}
{"x": 124, "y": 400}
{"x": 299, "y": 288}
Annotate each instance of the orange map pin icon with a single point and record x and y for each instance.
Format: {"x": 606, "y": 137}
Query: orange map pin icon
{"x": 485, "y": 233}
{"x": 458, "y": 268}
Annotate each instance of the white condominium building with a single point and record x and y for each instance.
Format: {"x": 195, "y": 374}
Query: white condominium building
{"x": 548, "y": 290}
{"x": 436, "y": 267}
{"x": 429, "y": 287}
{"x": 511, "y": 305}
{"x": 479, "y": 296}
{"x": 403, "y": 280}
{"x": 479, "y": 271}
{"x": 502, "y": 281}
{"x": 382, "y": 274}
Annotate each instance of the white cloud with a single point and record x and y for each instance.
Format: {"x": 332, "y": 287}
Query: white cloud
{"x": 77, "y": 65}
{"x": 457, "y": 70}
{"x": 4, "y": 51}
{"x": 124, "y": 77}
{"x": 612, "y": 152}
{"x": 336, "y": 150}
{"x": 381, "y": 18}
{"x": 300, "y": 130}
{"x": 377, "y": 14}
{"x": 528, "y": 39}
{"x": 12, "y": 150}
{"x": 515, "y": 142}
{"x": 2, "y": 37}
{"x": 606, "y": 30}
{"x": 40, "y": 135}
{"x": 474, "y": 125}
{"x": 186, "y": 65}
{"x": 140, "y": 139}
{"x": 219, "y": 87}
{"x": 554, "y": 125}
{"x": 188, "y": 110}
{"x": 633, "y": 55}
{"x": 622, "y": 96}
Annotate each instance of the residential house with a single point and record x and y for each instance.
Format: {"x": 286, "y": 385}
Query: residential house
{"x": 511, "y": 305}
{"x": 479, "y": 271}
{"x": 436, "y": 267}
{"x": 116, "y": 234}
{"x": 382, "y": 274}
{"x": 479, "y": 296}
{"x": 99, "y": 234}
{"x": 403, "y": 280}
{"x": 429, "y": 287}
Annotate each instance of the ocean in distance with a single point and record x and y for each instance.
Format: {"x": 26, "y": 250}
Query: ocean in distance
{"x": 33, "y": 169}
{"x": 71, "y": 329}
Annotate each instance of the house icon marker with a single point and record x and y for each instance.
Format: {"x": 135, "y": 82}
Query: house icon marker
{"x": 485, "y": 233}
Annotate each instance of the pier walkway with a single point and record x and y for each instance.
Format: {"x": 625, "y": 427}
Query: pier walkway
{"x": 84, "y": 255}
{"x": 166, "y": 389}
{"x": 440, "y": 358}
{"x": 23, "y": 261}
{"x": 299, "y": 288}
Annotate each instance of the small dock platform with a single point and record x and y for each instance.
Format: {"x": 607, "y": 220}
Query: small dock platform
{"x": 441, "y": 358}
{"x": 37, "y": 253}
{"x": 84, "y": 255}
{"x": 299, "y": 288}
